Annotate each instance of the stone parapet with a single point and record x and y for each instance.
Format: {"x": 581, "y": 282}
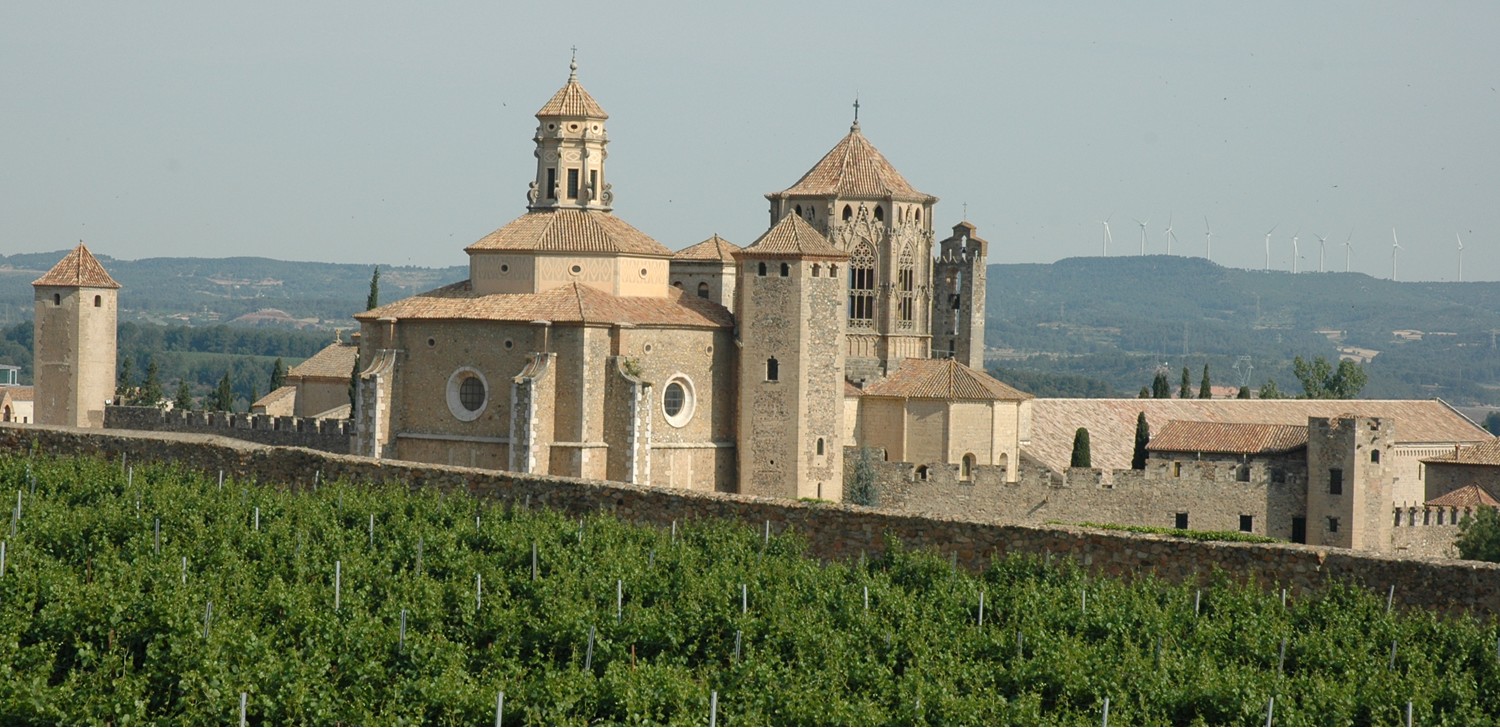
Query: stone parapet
{"x": 832, "y": 531}
{"x": 327, "y": 435}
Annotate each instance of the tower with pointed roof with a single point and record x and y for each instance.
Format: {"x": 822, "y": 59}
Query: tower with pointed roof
{"x": 74, "y": 365}
{"x": 790, "y": 325}
{"x": 856, "y": 199}
{"x": 958, "y": 304}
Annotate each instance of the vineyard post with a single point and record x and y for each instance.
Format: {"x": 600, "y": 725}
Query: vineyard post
{"x": 528, "y": 501}
{"x": 1104, "y": 721}
{"x": 338, "y": 582}
{"x": 1390, "y": 599}
{"x": 476, "y": 521}
{"x": 317, "y": 476}
{"x": 981, "y": 607}
{"x": 1283, "y": 598}
{"x": 401, "y": 640}
{"x": 420, "y": 542}
{"x": 156, "y": 536}
{"x": 372, "y": 530}
{"x": 619, "y": 599}
{"x": 767, "y": 543}
{"x": 130, "y": 477}
{"x": 867, "y": 597}
{"x": 257, "y": 519}
{"x": 478, "y": 591}
{"x": 1156, "y": 655}
{"x": 1392, "y": 665}
{"x": 1270, "y": 710}
{"x": 713, "y": 709}
{"x": 588, "y": 657}
{"x": 1281, "y": 661}
{"x": 124, "y": 457}
{"x": 221, "y": 479}
{"x": 580, "y": 532}
{"x": 744, "y": 599}
{"x": 674, "y": 530}
{"x": 1197, "y": 603}
{"x": 16, "y": 519}
{"x": 533, "y": 561}
{"x": 1085, "y": 608}
{"x": 1408, "y": 714}
{"x": 1020, "y": 644}
{"x": 243, "y": 696}
{"x": 208, "y": 615}
{"x": 738, "y": 636}
{"x": 2, "y": 559}
{"x": 500, "y": 709}
{"x": 184, "y": 571}
{"x": 651, "y": 559}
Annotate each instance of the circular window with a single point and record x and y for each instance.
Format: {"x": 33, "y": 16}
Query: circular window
{"x": 576, "y": 269}
{"x": 509, "y": 343}
{"x": 644, "y": 272}
{"x": 504, "y": 267}
{"x": 551, "y": 126}
{"x": 432, "y": 342}
{"x": 647, "y": 348}
{"x": 677, "y": 401}
{"x": 468, "y": 393}
{"x": 572, "y": 127}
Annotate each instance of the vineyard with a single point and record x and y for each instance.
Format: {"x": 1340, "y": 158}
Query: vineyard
{"x": 154, "y": 595}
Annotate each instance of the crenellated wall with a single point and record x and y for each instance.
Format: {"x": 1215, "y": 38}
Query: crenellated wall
{"x": 318, "y": 434}
{"x": 832, "y": 531}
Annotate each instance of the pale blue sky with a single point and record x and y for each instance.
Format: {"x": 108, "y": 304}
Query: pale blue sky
{"x": 399, "y": 133}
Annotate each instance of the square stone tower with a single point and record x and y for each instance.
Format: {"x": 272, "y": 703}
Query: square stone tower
{"x": 74, "y": 353}
{"x": 958, "y": 307}
{"x": 1350, "y": 481}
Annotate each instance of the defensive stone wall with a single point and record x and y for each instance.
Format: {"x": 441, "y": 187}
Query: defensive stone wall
{"x": 832, "y": 531}
{"x": 309, "y": 432}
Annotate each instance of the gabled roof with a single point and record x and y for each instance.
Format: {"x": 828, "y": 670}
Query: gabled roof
{"x": 1484, "y": 453}
{"x": 572, "y": 100}
{"x": 854, "y": 168}
{"x": 1466, "y": 497}
{"x": 712, "y": 249}
{"x": 1111, "y": 422}
{"x": 278, "y": 394}
{"x": 1230, "y": 438}
{"x": 573, "y": 303}
{"x": 568, "y": 230}
{"x": 942, "y": 379}
{"x": 335, "y": 361}
{"x": 792, "y": 236}
{"x": 78, "y": 268}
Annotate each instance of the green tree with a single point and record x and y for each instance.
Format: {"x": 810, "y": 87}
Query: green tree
{"x": 1159, "y": 387}
{"x": 222, "y": 399}
{"x": 254, "y": 397}
{"x": 1269, "y": 390}
{"x": 278, "y": 375}
{"x": 123, "y": 385}
{"x": 1081, "y": 456}
{"x": 1205, "y": 390}
{"x": 1492, "y": 422}
{"x": 184, "y": 398}
{"x": 373, "y": 299}
{"x": 1185, "y": 388}
{"x": 1321, "y": 380}
{"x": 1244, "y": 392}
{"x": 862, "y": 489}
{"x": 1479, "y": 536}
{"x": 1145, "y": 393}
{"x": 1142, "y": 439}
{"x": 151, "y": 392}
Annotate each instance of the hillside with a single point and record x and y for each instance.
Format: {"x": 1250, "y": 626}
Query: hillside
{"x": 1116, "y": 319}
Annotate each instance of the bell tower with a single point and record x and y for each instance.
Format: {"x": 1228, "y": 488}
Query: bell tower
{"x": 958, "y": 307}
{"x": 74, "y": 358}
{"x": 570, "y": 140}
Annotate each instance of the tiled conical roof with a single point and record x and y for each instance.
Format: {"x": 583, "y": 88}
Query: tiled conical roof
{"x": 942, "y": 379}
{"x": 854, "y": 168}
{"x": 570, "y": 231}
{"x": 572, "y": 100}
{"x": 714, "y": 248}
{"x": 792, "y": 236}
{"x": 78, "y": 268}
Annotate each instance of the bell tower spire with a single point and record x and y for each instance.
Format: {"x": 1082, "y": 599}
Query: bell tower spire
{"x": 570, "y": 151}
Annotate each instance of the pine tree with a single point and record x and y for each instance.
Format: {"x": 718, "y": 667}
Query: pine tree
{"x": 184, "y": 398}
{"x": 1142, "y": 439}
{"x": 1081, "y": 455}
{"x": 862, "y": 490}
{"x": 1269, "y": 390}
{"x": 373, "y": 299}
{"x": 1185, "y": 389}
{"x": 1159, "y": 387}
{"x": 254, "y": 397}
{"x": 1479, "y": 536}
{"x": 278, "y": 376}
{"x": 122, "y": 387}
{"x": 223, "y": 396}
{"x": 1244, "y": 392}
{"x": 1205, "y": 390}
{"x": 1145, "y": 393}
{"x": 151, "y": 394}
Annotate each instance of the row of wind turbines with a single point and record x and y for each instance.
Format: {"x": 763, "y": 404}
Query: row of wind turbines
{"x": 1170, "y": 236}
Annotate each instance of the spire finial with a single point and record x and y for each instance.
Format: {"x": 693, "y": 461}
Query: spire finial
{"x": 966, "y": 211}
{"x": 856, "y": 113}
{"x": 573, "y": 66}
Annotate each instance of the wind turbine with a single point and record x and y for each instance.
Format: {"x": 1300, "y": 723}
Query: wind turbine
{"x": 1268, "y": 245}
{"x": 1348, "y": 248}
{"x": 1142, "y": 223}
{"x": 1395, "y": 246}
{"x": 1460, "y": 257}
{"x": 1322, "y": 249}
{"x": 1208, "y": 235}
{"x": 1295, "y": 251}
{"x": 1107, "y": 239}
{"x": 1170, "y": 235}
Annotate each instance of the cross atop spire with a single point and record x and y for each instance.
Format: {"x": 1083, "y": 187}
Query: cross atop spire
{"x": 856, "y": 113}
{"x": 573, "y": 65}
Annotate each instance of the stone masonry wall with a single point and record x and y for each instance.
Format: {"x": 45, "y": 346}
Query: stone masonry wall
{"x": 832, "y": 531}
{"x": 325, "y": 434}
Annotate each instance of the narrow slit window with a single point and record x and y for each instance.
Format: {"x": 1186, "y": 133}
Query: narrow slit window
{"x": 773, "y": 370}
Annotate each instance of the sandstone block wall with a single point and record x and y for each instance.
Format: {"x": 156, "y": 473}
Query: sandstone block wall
{"x": 832, "y": 531}
{"x": 326, "y": 435}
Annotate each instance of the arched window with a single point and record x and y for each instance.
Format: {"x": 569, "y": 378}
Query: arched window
{"x": 703, "y": 290}
{"x": 773, "y": 370}
{"x": 1375, "y": 456}
{"x": 821, "y": 446}
{"x": 786, "y": 269}
{"x": 919, "y": 214}
{"x": 676, "y": 284}
{"x": 848, "y": 213}
{"x": 862, "y": 285}
{"x": 762, "y": 269}
{"x": 921, "y": 472}
{"x": 1005, "y": 465}
{"x": 879, "y": 213}
{"x": 799, "y": 211}
{"x": 98, "y": 301}
{"x": 817, "y": 269}
{"x": 906, "y": 281}
{"x": 966, "y": 468}
{"x": 57, "y": 299}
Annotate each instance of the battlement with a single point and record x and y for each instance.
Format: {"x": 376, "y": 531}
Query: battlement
{"x": 328, "y": 435}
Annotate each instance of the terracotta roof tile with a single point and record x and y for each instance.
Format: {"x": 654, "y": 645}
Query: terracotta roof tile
{"x": 942, "y": 379}
{"x": 851, "y": 389}
{"x": 572, "y": 100}
{"x": 712, "y": 249}
{"x": 335, "y": 361}
{"x": 792, "y": 236}
{"x": 1467, "y": 496}
{"x": 78, "y": 268}
{"x": 278, "y": 394}
{"x": 1236, "y": 438}
{"x": 19, "y": 392}
{"x": 1111, "y": 422}
{"x": 573, "y": 303}
{"x": 1484, "y": 453}
{"x": 570, "y": 231}
{"x": 855, "y": 168}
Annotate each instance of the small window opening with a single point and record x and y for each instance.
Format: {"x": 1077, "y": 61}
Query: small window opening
{"x": 593, "y": 184}
{"x": 820, "y": 446}
{"x": 786, "y": 269}
{"x": 572, "y": 184}
{"x": 1247, "y": 524}
{"x": 98, "y": 301}
{"x": 762, "y": 270}
{"x": 816, "y": 269}
{"x": 1335, "y": 481}
{"x": 1177, "y": 470}
{"x": 848, "y": 213}
{"x": 773, "y": 370}
{"x": 1375, "y": 456}
{"x": 1333, "y": 524}
{"x": 799, "y": 211}
{"x": 921, "y": 472}
{"x": 552, "y": 183}
{"x": 57, "y": 299}
{"x": 966, "y": 468}
{"x": 879, "y": 213}
{"x": 677, "y": 284}
{"x": 702, "y": 290}
{"x": 1242, "y": 473}
{"x": 1181, "y": 521}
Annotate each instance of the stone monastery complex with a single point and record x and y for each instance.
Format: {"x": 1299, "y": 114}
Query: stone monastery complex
{"x": 845, "y": 344}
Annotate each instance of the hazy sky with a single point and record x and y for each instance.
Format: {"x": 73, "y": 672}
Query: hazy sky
{"x": 399, "y": 133}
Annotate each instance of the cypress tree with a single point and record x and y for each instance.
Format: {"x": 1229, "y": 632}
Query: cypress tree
{"x": 278, "y": 375}
{"x": 1081, "y": 455}
{"x": 1205, "y": 391}
{"x": 223, "y": 396}
{"x": 1185, "y": 389}
{"x": 151, "y": 393}
{"x": 184, "y": 398}
{"x": 122, "y": 387}
{"x": 1142, "y": 439}
{"x": 1145, "y": 393}
{"x": 1159, "y": 387}
{"x": 373, "y": 299}
{"x": 1244, "y": 392}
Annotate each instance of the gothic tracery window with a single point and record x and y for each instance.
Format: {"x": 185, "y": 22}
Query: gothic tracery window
{"x": 862, "y": 285}
{"x": 906, "y": 284}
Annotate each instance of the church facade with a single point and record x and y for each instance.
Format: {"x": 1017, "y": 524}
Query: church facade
{"x": 581, "y": 346}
